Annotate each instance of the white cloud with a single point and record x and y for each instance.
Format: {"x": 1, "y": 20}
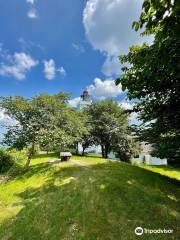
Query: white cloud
{"x": 3, "y": 116}
{"x": 32, "y": 13}
{"x": 126, "y": 105}
{"x": 108, "y": 27}
{"x": 108, "y": 24}
{"x": 50, "y": 69}
{"x": 5, "y": 122}
{"x": 111, "y": 66}
{"x": 62, "y": 71}
{"x": 74, "y": 102}
{"x": 78, "y": 47}
{"x": 104, "y": 89}
{"x": 133, "y": 119}
{"x": 27, "y": 45}
{"x": 17, "y": 65}
{"x": 30, "y": 1}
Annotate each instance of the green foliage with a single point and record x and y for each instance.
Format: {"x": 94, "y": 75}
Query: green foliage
{"x": 19, "y": 156}
{"x": 159, "y": 16}
{"x": 125, "y": 146}
{"x": 152, "y": 76}
{"x": 64, "y": 130}
{"x": 87, "y": 138}
{"x": 108, "y": 121}
{"x": 6, "y": 161}
{"x": 43, "y": 118}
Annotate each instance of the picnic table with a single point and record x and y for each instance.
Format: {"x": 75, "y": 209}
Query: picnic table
{"x": 65, "y": 156}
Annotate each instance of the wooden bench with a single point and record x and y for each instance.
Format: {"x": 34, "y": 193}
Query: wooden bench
{"x": 65, "y": 156}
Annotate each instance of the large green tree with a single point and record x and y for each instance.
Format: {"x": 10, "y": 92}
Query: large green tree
{"x": 64, "y": 130}
{"x": 87, "y": 138}
{"x": 41, "y": 120}
{"x": 107, "y": 120}
{"x": 153, "y": 76}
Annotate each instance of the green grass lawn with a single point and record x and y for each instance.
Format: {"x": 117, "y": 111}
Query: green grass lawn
{"x": 164, "y": 170}
{"x": 87, "y": 199}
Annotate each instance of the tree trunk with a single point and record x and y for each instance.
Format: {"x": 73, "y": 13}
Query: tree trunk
{"x": 31, "y": 152}
{"x": 106, "y": 154}
{"x": 77, "y": 150}
{"x": 26, "y": 166}
{"x": 102, "y": 149}
{"x": 106, "y": 151}
{"x": 83, "y": 151}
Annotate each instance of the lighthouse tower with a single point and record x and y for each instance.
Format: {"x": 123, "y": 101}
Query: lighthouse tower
{"x": 85, "y": 100}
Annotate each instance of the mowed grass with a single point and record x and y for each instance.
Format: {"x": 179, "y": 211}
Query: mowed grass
{"x": 168, "y": 171}
{"x": 87, "y": 199}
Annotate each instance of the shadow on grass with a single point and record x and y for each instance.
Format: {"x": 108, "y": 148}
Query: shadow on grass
{"x": 37, "y": 169}
{"x": 107, "y": 201}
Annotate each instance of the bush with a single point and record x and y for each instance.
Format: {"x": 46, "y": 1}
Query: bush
{"x": 19, "y": 156}
{"x": 6, "y": 161}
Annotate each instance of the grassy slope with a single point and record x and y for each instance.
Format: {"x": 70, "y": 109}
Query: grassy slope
{"x": 88, "y": 199}
{"x": 164, "y": 170}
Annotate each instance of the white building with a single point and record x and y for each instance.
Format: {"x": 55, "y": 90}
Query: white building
{"x": 85, "y": 100}
{"x": 146, "y": 157}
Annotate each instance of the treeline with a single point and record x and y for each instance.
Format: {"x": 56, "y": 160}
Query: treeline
{"x": 49, "y": 122}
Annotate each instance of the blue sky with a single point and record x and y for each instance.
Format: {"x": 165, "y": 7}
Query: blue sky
{"x": 65, "y": 46}
{"x": 57, "y": 33}
{"x": 52, "y": 46}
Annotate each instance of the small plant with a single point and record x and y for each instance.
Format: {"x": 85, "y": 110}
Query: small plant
{"x": 6, "y": 161}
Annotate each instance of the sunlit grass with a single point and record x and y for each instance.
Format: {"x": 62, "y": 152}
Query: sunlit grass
{"x": 90, "y": 159}
{"x": 87, "y": 198}
{"x": 164, "y": 170}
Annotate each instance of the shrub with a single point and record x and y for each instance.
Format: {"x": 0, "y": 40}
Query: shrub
{"x": 6, "y": 161}
{"x": 19, "y": 156}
